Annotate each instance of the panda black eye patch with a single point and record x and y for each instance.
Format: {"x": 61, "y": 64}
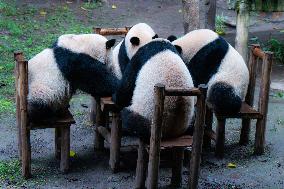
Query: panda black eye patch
{"x": 135, "y": 41}
{"x": 110, "y": 43}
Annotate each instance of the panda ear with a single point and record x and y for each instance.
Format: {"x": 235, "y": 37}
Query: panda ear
{"x": 135, "y": 41}
{"x": 110, "y": 43}
{"x": 171, "y": 38}
{"x": 179, "y": 49}
{"x": 155, "y": 36}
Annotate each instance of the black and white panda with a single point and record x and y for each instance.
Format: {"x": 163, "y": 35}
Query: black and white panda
{"x": 156, "y": 62}
{"x": 137, "y": 36}
{"x": 211, "y": 60}
{"x": 75, "y": 62}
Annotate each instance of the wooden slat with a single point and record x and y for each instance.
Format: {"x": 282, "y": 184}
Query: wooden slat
{"x": 107, "y": 105}
{"x": 182, "y": 92}
{"x": 263, "y": 102}
{"x": 245, "y": 112}
{"x": 53, "y": 122}
{"x": 183, "y": 141}
{"x": 155, "y": 139}
{"x": 111, "y": 31}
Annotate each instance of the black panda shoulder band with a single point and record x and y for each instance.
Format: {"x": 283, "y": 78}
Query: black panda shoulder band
{"x": 206, "y": 62}
{"x": 125, "y": 90}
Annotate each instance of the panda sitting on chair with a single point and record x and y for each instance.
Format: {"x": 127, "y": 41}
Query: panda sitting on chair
{"x": 211, "y": 60}
{"x": 75, "y": 62}
{"x": 155, "y": 62}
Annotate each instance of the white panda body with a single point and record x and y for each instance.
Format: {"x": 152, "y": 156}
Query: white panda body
{"x": 163, "y": 66}
{"x": 75, "y": 62}
{"x": 49, "y": 87}
{"x": 211, "y": 60}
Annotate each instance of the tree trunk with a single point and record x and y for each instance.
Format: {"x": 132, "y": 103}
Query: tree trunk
{"x": 198, "y": 14}
{"x": 241, "y": 41}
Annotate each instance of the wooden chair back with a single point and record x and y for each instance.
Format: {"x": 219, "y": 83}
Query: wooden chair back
{"x": 154, "y": 153}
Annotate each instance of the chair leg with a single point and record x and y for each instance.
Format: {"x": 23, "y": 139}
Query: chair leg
{"x": 20, "y": 143}
{"x": 141, "y": 166}
{"x": 65, "y": 149}
{"x": 115, "y": 142}
{"x": 208, "y": 128}
{"x": 57, "y": 143}
{"x": 100, "y": 121}
{"x": 244, "y": 138}
{"x": 259, "y": 137}
{"x": 26, "y": 153}
{"x": 220, "y": 141}
{"x": 177, "y": 167}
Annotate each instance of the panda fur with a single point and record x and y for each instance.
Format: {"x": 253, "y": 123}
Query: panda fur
{"x": 156, "y": 62}
{"x": 137, "y": 36}
{"x": 75, "y": 62}
{"x": 213, "y": 61}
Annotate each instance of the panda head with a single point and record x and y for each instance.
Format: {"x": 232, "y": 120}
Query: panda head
{"x": 137, "y": 36}
{"x": 172, "y": 38}
{"x": 94, "y": 45}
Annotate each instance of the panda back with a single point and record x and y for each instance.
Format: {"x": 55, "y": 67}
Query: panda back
{"x": 47, "y": 85}
{"x": 167, "y": 68}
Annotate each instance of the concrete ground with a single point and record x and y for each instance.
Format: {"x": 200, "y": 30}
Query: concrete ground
{"x": 89, "y": 169}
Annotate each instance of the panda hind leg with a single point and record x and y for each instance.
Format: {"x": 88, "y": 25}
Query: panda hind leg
{"x": 133, "y": 124}
{"x": 223, "y": 99}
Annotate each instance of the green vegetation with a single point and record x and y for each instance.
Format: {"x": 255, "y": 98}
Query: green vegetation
{"x": 90, "y": 5}
{"x": 31, "y": 29}
{"x": 277, "y": 48}
{"x": 220, "y": 25}
{"x": 273, "y": 45}
{"x": 10, "y": 172}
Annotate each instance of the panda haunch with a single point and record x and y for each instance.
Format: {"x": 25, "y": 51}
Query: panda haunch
{"x": 211, "y": 60}
{"x": 74, "y": 62}
{"x": 156, "y": 62}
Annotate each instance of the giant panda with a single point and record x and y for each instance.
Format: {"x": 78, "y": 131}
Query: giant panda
{"x": 156, "y": 62}
{"x": 75, "y": 62}
{"x": 211, "y": 60}
{"x": 137, "y": 36}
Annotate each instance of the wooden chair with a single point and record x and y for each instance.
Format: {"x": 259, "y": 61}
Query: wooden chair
{"x": 99, "y": 114}
{"x": 247, "y": 111}
{"x": 176, "y": 144}
{"x": 61, "y": 124}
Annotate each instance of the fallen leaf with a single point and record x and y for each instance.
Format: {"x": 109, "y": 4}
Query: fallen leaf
{"x": 231, "y": 165}
{"x": 72, "y": 153}
{"x": 42, "y": 13}
{"x": 113, "y": 7}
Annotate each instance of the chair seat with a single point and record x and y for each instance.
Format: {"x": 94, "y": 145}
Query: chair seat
{"x": 246, "y": 112}
{"x": 65, "y": 119}
{"x": 183, "y": 141}
{"x": 108, "y": 105}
